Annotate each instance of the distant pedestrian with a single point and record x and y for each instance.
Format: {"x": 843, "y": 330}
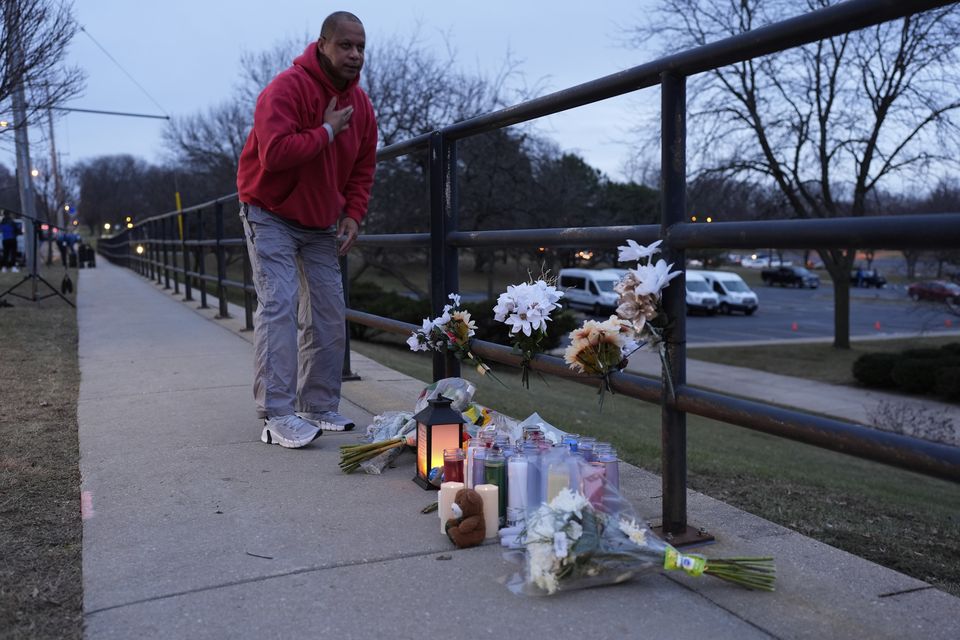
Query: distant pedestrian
{"x": 9, "y": 230}
{"x": 304, "y": 180}
{"x": 859, "y": 276}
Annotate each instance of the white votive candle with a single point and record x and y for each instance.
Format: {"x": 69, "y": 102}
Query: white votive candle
{"x": 445, "y": 498}
{"x": 490, "y": 494}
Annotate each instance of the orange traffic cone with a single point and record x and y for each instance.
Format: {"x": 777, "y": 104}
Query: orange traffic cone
{"x": 793, "y": 327}
{"x": 876, "y": 325}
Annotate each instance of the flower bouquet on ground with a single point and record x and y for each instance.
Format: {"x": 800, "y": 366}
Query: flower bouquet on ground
{"x": 526, "y": 308}
{"x": 393, "y": 430}
{"x": 387, "y": 436}
{"x": 450, "y": 332}
{"x": 571, "y": 544}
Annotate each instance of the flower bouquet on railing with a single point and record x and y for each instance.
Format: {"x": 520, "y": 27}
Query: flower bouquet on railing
{"x": 526, "y": 309}
{"x": 600, "y": 349}
{"x": 449, "y": 333}
{"x": 570, "y": 544}
{"x": 640, "y": 293}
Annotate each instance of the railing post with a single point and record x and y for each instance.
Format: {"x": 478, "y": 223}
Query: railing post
{"x": 221, "y": 261}
{"x": 154, "y": 236}
{"x": 444, "y": 266}
{"x": 184, "y": 232}
{"x": 164, "y": 239}
{"x": 673, "y": 423}
{"x": 201, "y": 262}
{"x": 172, "y": 236}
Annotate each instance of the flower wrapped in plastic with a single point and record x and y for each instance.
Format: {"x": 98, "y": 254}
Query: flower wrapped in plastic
{"x": 526, "y": 309}
{"x": 574, "y": 543}
{"x": 450, "y": 332}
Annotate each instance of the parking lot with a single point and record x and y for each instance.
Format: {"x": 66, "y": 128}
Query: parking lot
{"x": 786, "y": 314}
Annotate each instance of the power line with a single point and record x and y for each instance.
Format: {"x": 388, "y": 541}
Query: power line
{"x": 127, "y": 73}
{"x": 112, "y": 113}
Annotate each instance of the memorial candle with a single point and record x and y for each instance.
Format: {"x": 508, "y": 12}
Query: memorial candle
{"x": 445, "y": 498}
{"x": 516, "y": 489}
{"x": 496, "y": 473}
{"x": 490, "y": 494}
{"x": 453, "y": 465}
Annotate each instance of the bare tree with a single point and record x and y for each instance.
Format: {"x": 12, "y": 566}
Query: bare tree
{"x": 828, "y": 123}
{"x": 35, "y": 35}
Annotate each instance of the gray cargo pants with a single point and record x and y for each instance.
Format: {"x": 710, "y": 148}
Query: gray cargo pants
{"x": 299, "y": 332}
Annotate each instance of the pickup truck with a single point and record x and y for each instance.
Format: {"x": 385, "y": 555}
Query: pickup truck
{"x": 790, "y": 277}
{"x": 867, "y": 278}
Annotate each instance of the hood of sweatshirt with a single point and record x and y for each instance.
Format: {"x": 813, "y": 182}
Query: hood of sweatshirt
{"x": 309, "y": 60}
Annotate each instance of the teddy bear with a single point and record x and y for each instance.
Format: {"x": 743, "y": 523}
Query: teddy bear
{"x": 466, "y": 528}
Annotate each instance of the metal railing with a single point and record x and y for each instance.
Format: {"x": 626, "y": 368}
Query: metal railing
{"x": 174, "y": 241}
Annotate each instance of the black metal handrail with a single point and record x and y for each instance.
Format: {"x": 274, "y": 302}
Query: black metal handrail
{"x": 161, "y": 235}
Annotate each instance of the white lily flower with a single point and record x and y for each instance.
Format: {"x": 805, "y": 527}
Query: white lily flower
{"x": 634, "y": 251}
{"x": 652, "y": 278}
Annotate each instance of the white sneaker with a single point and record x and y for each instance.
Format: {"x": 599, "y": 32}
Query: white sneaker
{"x": 289, "y": 431}
{"x": 3, "y": 270}
{"x": 327, "y": 420}
{"x": 15, "y": 270}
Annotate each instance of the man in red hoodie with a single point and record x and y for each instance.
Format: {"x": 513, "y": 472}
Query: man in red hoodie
{"x": 304, "y": 181}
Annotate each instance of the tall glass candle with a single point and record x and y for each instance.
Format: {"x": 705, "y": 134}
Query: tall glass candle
{"x": 478, "y": 472}
{"x": 558, "y": 476}
{"x": 453, "y": 465}
{"x": 516, "y": 489}
{"x": 592, "y": 482}
{"x": 611, "y": 467}
{"x": 534, "y": 489}
{"x": 496, "y": 473}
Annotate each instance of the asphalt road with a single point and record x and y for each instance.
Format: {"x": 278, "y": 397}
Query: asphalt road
{"x": 786, "y": 314}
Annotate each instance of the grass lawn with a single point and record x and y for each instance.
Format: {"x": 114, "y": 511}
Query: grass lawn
{"x": 40, "y": 528}
{"x": 817, "y": 361}
{"x": 901, "y": 520}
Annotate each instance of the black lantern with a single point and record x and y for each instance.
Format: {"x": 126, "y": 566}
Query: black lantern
{"x": 439, "y": 427}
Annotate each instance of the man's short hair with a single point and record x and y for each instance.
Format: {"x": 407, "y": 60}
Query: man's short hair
{"x": 333, "y": 20}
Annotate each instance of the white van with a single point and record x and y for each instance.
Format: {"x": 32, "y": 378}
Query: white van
{"x": 590, "y": 289}
{"x": 733, "y": 292}
{"x": 700, "y": 295}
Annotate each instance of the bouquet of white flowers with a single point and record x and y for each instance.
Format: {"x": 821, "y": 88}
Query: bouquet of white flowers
{"x": 450, "y": 332}
{"x": 573, "y": 544}
{"x": 526, "y": 309}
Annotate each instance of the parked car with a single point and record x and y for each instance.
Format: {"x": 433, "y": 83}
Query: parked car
{"x": 762, "y": 261}
{"x": 867, "y": 278}
{"x": 590, "y": 289}
{"x": 731, "y": 290}
{"x": 700, "y": 297}
{"x": 790, "y": 277}
{"x": 937, "y": 290}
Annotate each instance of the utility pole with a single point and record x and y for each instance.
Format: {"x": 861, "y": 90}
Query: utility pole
{"x": 55, "y": 167}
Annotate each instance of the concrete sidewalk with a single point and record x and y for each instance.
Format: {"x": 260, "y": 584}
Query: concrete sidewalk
{"x": 194, "y": 529}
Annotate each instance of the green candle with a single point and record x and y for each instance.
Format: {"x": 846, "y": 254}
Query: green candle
{"x": 495, "y": 473}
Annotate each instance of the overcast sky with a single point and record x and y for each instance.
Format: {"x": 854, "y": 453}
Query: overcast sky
{"x": 186, "y": 54}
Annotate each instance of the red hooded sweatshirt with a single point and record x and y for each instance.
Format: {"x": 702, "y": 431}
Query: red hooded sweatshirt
{"x": 289, "y": 165}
